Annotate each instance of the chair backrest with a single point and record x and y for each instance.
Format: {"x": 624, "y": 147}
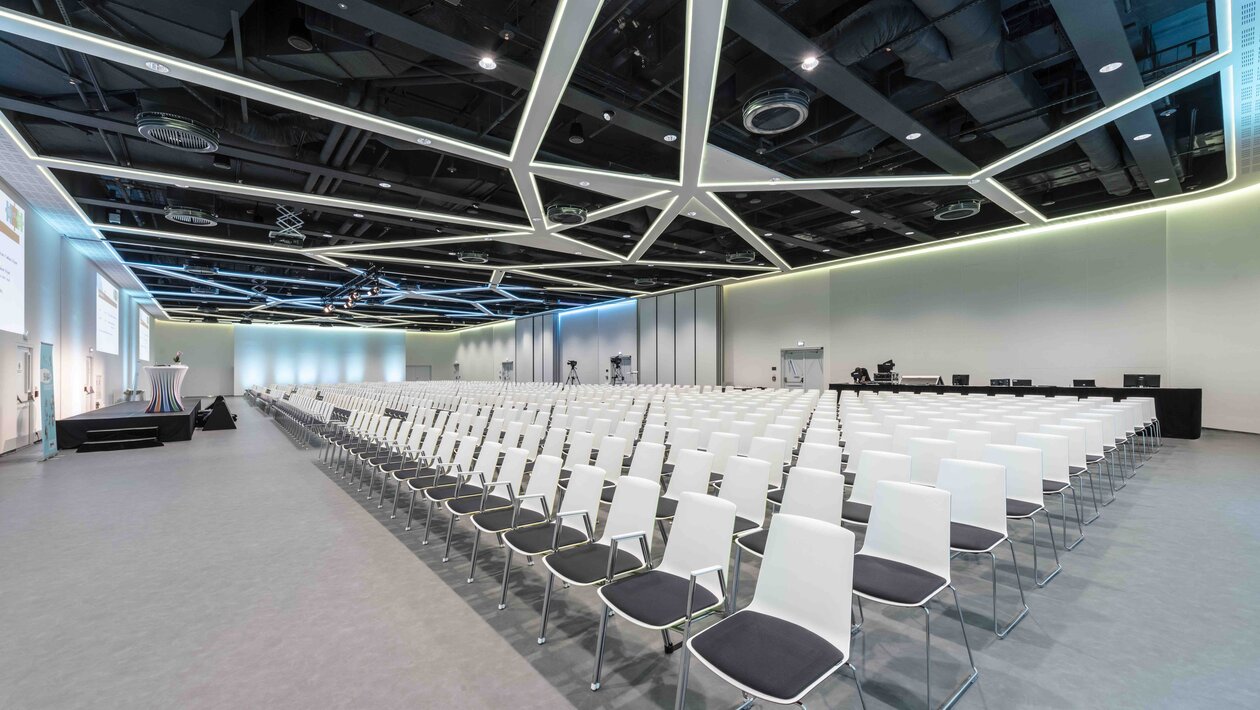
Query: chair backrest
{"x": 813, "y": 493}
{"x": 925, "y": 458}
{"x": 1076, "y": 440}
{"x": 1093, "y": 434}
{"x": 746, "y": 484}
{"x": 771, "y": 451}
{"x": 1054, "y": 453}
{"x": 978, "y": 491}
{"x": 512, "y": 434}
{"x": 531, "y": 438}
{"x": 877, "y": 466}
{"x": 700, "y": 537}
{"x": 580, "y": 444}
{"x": 653, "y": 434}
{"x": 464, "y": 452}
{"x": 512, "y": 469}
{"x": 860, "y": 441}
{"x": 824, "y": 457}
{"x": 487, "y": 459}
{"x": 600, "y": 428}
{"x": 586, "y": 483}
{"x": 628, "y": 431}
{"x": 633, "y": 510}
{"x": 723, "y": 446}
{"x": 544, "y": 479}
{"x": 554, "y": 445}
{"x": 1002, "y": 432}
{"x": 910, "y": 524}
{"x": 647, "y": 462}
{"x": 821, "y": 435}
{"x": 971, "y": 442}
{"x": 682, "y": 440}
{"x": 691, "y": 473}
{"x": 903, "y": 433}
{"x": 1023, "y": 471}
{"x": 806, "y": 578}
{"x": 611, "y": 452}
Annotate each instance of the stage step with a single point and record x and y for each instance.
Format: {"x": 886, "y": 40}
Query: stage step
{"x": 142, "y": 437}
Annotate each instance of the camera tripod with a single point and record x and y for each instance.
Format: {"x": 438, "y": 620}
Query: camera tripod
{"x": 572, "y": 379}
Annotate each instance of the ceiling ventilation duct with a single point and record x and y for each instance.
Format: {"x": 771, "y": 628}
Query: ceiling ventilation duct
{"x": 957, "y": 210}
{"x": 566, "y": 214}
{"x": 191, "y": 216}
{"x": 178, "y": 132}
{"x": 776, "y": 111}
{"x": 741, "y": 257}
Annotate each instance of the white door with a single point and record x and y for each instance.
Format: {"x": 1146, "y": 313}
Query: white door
{"x": 802, "y": 368}
{"x": 419, "y": 373}
{"x": 25, "y": 419}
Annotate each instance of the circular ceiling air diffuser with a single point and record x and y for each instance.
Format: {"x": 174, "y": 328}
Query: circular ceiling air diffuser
{"x": 473, "y": 257}
{"x": 191, "y": 216}
{"x": 957, "y": 210}
{"x": 177, "y": 132}
{"x": 645, "y": 281}
{"x": 776, "y": 111}
{"x": 741, "y": 257}
{"x": 566, "y": 214}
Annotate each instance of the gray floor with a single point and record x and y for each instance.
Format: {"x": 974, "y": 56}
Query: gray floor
{"x": 233, "y": 572}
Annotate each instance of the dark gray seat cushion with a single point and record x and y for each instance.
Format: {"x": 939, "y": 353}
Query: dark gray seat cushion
{"x": 536, "y": 540}
{"x": 588, "y": 564}
{"x": 447, "y": 492}
{"x": 893, "y": 581}
{"x": 666, "y": 507}
{"x": 656, "y": 598}
{"x": 1076, "y": 470}
{"x": 496, "y": 520}
{"x": 773, "y": 657}
{"x": 1020, "y": 509}
{"x": 425, "y": 480}
{"x": 744, "y": 525}
{"x": 1048, "y": 486}
{"x": 466, "y": 506}
{"x": 857, "y": 512}
{"x": 754, "y": 542}
{"x": 776, "y": 496}
{"x": 970, "y": 538}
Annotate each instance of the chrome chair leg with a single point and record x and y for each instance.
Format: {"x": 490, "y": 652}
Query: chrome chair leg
{"x": 472, "y": 565}
{"x": 599, "y": 646}
{"x": 1058, "y": 566}
{"x": 507, "y": 570}
{"x": 542, "y": 630}
{"x": 1001, "y": 633}
{"x": 735, "y": 579}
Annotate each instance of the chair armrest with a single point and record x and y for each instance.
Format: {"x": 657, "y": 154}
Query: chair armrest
{"x": 560, "y": 518}
{"x": 516, "y": 505}
{"x": 486, "y": 488}
{"x": 617, "y": 540}
{"x": 691, "y": 592}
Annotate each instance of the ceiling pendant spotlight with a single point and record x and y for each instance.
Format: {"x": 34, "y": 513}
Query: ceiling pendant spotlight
{"x": 328, "y": 308}
{"x": 609, "y": 114}
{"x": 577, "y": 136}
{"x": 1141, "y": 136}
{"x": 810, "y": 63}
{"x": 1108, "y": 68}
{"x": 375, "y": 290}
{"x": 1047, "y": 199}
{"x": 487, "y": 62}
{"x": 914, "y": 136}
{"x": 1168, "y": 112}
{"x": 299, "y": 37}
{"x": 348, "y": 304}
{"x": 670, "y": 137}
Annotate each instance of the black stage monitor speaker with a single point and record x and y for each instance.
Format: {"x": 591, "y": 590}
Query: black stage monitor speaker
{"x": 999, "y": 383}
{"x": 1083, "y": 383}
{"x": 1141, "y": 380}
{"x": 1021, "y": 383}
{"x": 219, "y": 417}
{"x": 961, "y": 380}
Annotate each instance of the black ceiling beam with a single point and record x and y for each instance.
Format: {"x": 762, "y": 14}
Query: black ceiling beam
{"x": 404, "y": 29}
{"x": 1098, "y": 35}
{"x": 769, "y": 32}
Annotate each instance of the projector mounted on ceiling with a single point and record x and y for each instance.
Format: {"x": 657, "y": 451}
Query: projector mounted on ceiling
{"x": 178, "y": 132}
{"x": 957, "y": 210}
{"x": 776, "y": 111}
{"x": 191, "y": 216}
{"x": 566, "y": 214}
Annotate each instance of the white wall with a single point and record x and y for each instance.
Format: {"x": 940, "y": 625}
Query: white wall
{"x": 679, "y": 337}
{"x": 482, "y": 350}
{"x": 209, "y": 351}
{"x": 1171, "y": 292}
{"x": 594, "y": 335}
{"x": 437, "y": 350}
{"x": 306, "y": 355}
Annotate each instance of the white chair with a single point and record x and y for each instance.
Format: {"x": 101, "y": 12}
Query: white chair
{"x": 905, "y": 432}
{"x": 629, "y": 519}
{"x": 646, "y": 464}
{"x": 977, "y": 516}
{"x": 532, "y": 507}
{"x": 505, "y": 487}
{"x": 875, "y": 467}
{"x": 1055, "y": 478}
{"x": 799, "y": 618}
{"x": 1024, "y": 497}
{"x": 859, "y": 442}
{"x": 746, "y": 483}
{"x": 723, "y": 446}
{"x": 1078, "y": 465}
{"x": 925, "y": 458}
{"x": 971, "y": 442}
{"x": 904, "y": 560}
{"x": 689, "y": 584}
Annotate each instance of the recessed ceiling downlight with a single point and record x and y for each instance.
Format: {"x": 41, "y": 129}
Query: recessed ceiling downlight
{"x": 1108, "y": 68}
{"x": 191, "y": 216}
{"x": 177, "y": 132}
{"x": 776, "y": 111}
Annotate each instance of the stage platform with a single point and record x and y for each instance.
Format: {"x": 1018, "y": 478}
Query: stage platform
{"x": 173, "y": 426}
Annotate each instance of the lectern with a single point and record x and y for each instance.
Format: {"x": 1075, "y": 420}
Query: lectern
{"x": 164, "y": 383}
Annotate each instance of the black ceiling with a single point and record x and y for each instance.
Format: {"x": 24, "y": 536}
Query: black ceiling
{"x": 980, "y": 79}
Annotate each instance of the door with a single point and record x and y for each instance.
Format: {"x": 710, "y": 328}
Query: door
{"x": 802, "y": 368}
{"x": 25, "y": 419}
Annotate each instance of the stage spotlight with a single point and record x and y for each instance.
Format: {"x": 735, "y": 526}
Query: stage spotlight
{"x": 376, "y": 290}
{"x": 577, "y": 136}
{"x": 328, "y": 308}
